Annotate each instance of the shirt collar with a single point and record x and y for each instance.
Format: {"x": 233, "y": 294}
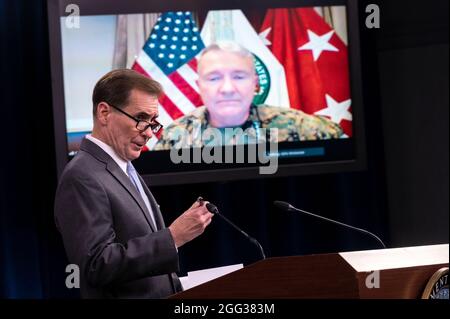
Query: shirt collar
{"x": 110, "y": 151}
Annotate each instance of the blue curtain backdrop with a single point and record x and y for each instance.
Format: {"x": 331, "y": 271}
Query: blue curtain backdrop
{"x": 32, "y": 258}
{"x": 28, "y": 178}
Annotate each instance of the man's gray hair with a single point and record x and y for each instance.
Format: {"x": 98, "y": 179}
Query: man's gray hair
{"x": 227, "y": 46}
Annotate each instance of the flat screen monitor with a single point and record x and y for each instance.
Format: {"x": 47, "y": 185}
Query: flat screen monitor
{"x": 306, "y": 113}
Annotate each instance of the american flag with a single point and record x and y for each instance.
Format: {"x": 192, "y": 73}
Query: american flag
{"x": 169, "y": 57}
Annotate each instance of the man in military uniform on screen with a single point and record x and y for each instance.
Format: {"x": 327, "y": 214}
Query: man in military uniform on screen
{"x": 227, "y": 83}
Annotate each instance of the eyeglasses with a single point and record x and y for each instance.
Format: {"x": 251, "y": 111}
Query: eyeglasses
{"x": 142, "y": 125}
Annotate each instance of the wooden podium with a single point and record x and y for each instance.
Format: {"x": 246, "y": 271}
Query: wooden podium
{"x": 392, "y": 273}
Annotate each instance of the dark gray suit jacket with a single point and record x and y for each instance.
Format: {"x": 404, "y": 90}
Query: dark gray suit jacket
{"x": 107, "y": 232}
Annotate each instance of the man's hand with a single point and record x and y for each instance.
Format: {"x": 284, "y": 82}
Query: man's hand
{"x": 191, "y": 223}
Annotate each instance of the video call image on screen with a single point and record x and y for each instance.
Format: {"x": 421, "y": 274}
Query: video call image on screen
{"x": 300, "y": 55}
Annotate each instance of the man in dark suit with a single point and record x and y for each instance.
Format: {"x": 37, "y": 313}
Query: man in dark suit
{"x": 110, "y": 223}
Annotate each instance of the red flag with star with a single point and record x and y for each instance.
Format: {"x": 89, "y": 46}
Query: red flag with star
{"x": 315, "y": 61}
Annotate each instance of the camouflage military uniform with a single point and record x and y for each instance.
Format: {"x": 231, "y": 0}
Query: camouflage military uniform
{"x": 292, "y": 125}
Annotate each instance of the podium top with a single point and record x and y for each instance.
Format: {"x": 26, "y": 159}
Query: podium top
{"x": 395, "y": 273}
{"x": 394, "y": 258}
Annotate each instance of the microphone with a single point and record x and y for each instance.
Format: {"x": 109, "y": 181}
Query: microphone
{"x": 288, "y": 207}
{"x": 213, "y": 209}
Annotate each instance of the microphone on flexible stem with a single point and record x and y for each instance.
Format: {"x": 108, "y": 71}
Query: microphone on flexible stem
{"x": 213, "y": 209}
{"x": 288, "y": 207}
